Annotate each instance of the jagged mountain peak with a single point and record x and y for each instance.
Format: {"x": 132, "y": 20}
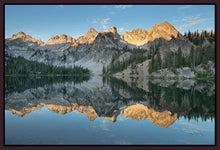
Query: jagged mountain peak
{"x": 137, "y": 37}
{"x": 139, "y": 30}
{"x": 165, "y": 23}
{"x": 164, "y": 30}
{"x": 20, "y": 33}
{"x": 165, "y": 27}
{"x": 89, "y": 37}
{"x": 60, "y": 39}
{"x": 141, "y": 36}
{"x": 25, "y": 37}
{"x": 63, "y": 36}
{"x": 112, "y": 30}
{"x": 92, "y": 30}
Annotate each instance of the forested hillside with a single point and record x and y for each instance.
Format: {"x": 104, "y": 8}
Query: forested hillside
{"x": 21, "y": 66}
{"x": 193, "y": 51}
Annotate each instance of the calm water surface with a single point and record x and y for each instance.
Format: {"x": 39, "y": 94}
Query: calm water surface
{"x": 83, "y": 111}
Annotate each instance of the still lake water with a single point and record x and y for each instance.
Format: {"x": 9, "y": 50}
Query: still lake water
{"x": 83, "y": 111}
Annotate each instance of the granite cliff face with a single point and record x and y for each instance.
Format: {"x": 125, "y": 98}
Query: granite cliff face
{"x": 60, "y": 39}
{"x": 137, "y": 37}
{"x": 140, "y": 36}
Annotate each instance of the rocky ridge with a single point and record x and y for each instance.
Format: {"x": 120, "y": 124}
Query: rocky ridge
{"x": 164, "y": 30}
{"x": 140, "y": 36}
{"x": 88, "y": 38}
{"x": 60, "y": 39}
{"x": 25, "y": 38}
{"x": 137, "y": 37}
{"x": 90, "y": 51}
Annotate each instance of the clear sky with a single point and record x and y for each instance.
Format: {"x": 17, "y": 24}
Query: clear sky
{"x": 44, "y": 21}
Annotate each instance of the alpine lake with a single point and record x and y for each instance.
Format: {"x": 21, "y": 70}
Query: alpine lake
{"x": 99, "y": 110}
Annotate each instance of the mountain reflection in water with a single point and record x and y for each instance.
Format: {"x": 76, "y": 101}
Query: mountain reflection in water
{"x": 163, "y": 103}
{"x": 136, "y": 112}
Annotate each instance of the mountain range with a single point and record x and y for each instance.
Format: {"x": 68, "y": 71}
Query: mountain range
{"x": 96, "y": 50}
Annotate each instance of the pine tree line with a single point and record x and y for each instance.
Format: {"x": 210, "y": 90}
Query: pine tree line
{"x": 169, "y": 94}
{"x": 198, "y": 37}
{"x": 22, "y": 66}
{"x": 20, "y": 84}
{"x": 174, "y": 60}
{"x": 204, "y": 33}
{"x": 196, "y": 100}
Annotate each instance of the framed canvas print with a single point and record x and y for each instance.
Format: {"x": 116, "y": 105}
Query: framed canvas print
{"x": 109, "y": 74}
